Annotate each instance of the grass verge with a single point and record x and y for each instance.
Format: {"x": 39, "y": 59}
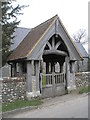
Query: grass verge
{"x": 84, "y": 90}
{"x": 20, "y": 104}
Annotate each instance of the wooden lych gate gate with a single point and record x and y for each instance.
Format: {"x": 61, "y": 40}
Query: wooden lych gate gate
{"x": 46, "y": 46}
{"x": 52, "y": 84}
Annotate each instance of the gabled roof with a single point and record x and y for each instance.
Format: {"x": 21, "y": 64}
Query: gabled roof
{"x": 26, "y": 46}
{"x": 33, "y": 38}
{"x": 81, "y": 49}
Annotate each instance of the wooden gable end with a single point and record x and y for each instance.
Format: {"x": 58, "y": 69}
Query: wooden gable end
{"x": 55, "y": 28}
{"x": 73, "y": 51}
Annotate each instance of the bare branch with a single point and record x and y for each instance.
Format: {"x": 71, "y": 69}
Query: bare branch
{"x": 80, "y": 35}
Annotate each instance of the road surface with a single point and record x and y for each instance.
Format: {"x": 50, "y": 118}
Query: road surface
{"x": 77, "y": 108}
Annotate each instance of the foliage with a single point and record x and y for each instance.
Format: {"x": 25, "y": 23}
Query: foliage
{"x": 9, "y": 22}
{"x": 20, "y": 104}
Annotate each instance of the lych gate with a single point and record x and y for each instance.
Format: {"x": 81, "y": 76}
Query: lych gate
{"x": 46, "y": 56}
{"x": 53, "y": 80}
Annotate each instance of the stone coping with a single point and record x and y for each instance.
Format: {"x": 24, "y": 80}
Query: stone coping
{"x": 13, "y": 79}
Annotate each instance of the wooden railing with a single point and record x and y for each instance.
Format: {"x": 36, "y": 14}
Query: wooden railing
{"x": 59, "y": 78}
{"x": 50, "y": 79}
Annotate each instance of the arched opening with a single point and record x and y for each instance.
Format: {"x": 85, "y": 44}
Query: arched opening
{"x": 54, "y": 52}
{"x": 53, "y": 77}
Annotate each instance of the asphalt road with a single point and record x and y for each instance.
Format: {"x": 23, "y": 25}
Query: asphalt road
{"x": 76, "y": 108}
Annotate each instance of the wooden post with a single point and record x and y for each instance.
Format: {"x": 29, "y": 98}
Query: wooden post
{"x": 64, "y": 71}
{"x": 52, "y": 67}
{"x": 47, "y": 67}
{"x": 67, "y": 73}
{"x": 14, "y": 70}
{"x": 37, "y": 77}
{"x": 41, "y": 83}
{"x": 20, "y": 69}
{"x": 64, "y": 67}
{"x": 29, "y": 80}
{"x": 11, "y": 70}
{"x": 53, "y": 42}
{"x": 53, "y": 78}
{"x": 73, "y": 72}
{"x": 53, "y": 83}
{"x": 61, "y": 68}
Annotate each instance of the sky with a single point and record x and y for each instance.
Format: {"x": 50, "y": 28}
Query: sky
{"x": 73, "y": 13}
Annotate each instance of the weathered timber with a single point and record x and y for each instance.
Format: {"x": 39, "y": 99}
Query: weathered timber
{"x": 53, "y": 51}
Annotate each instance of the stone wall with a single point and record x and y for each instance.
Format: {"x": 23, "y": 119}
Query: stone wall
{"x": 13, "y": 89}
{"x": 82, "y": 79}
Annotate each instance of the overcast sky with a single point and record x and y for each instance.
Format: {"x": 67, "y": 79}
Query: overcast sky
{"x": 73, "y": 13}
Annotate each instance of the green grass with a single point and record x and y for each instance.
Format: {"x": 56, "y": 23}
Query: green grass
{"x": 20, "y": 104}
{"x": 84, "y": 89}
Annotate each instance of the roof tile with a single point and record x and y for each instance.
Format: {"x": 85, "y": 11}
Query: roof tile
{"x": 30, "y": 40}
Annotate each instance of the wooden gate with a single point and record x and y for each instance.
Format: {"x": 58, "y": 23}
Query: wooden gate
{"x": 52, "y": 84}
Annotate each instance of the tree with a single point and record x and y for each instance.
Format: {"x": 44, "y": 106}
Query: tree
{"x": 80, "y": 36}
{"x": 9, "y": 22}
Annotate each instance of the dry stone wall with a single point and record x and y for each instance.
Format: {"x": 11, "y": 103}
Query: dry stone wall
{"x": 13, "y": 89}
{"x": 82, "y": 79}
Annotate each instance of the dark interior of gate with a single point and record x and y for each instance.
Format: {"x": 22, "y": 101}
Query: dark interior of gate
{"x": 53, "y": 75}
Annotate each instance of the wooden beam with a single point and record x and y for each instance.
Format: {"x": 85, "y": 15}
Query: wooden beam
{"x": 57, "y": 52}
{"x": 53, "y": 42}
{"x": 49, "y": 45}
{"x": 57, "y": 45}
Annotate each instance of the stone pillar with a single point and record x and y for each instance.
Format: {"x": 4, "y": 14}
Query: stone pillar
{"x": 47, "y": 67}
{"x": 37, "y": 77}
{"x": 67, "y": 73}
{"x": 29, "y": 80}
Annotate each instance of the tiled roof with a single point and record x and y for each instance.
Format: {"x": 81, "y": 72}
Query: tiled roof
{"x": 81, "y": 49}
{"x": 20, "y": 33}
{"x": 27, "y": 45}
